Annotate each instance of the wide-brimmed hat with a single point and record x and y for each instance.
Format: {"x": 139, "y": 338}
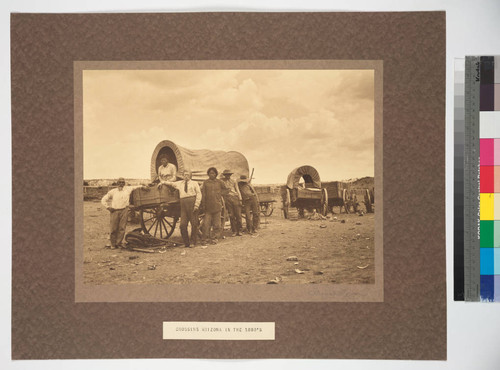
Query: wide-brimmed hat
{"x": 243, "y": 178}
{"x": 227, "y": 172}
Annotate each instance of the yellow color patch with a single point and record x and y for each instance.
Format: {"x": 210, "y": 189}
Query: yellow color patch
{"x": 487, "y": 206}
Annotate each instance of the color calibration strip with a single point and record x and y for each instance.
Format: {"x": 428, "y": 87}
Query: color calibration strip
{"x": 489, "y": 134}
{"x": 458, "y": 207}
{"x": 481, "y": 180}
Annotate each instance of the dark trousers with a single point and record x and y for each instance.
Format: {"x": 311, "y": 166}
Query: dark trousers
{"x": 251, "y": 212}
{"x": 209, "y": 220}
{"x": 188, "y": 215}
{"x": 233, "y": 206}
{"x": 118, "y": 223}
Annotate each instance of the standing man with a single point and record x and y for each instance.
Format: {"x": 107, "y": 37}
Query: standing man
{"x": 190, "y": 199}
{"x": 233, "y": 202}
{"x": 212, "y": 192}
{"x": 167, "y": 171}
{"x": 116, "y": 201}
{"x": 250, "y": 201}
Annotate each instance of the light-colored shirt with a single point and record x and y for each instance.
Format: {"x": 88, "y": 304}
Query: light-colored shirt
{"x": 247, "y": 190}
{"x": 167, "y": 173}
{"x": 193, "y": 190}
{"x": 118, "y": 199}
{"x": 233, "y": 188}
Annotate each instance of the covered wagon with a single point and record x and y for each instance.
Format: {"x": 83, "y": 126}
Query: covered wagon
{"x": 303, "y": 191}
{"x": 198, "y": 160}
{"x": 159, "y": 208}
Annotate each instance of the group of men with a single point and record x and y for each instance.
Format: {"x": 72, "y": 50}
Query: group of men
{"x": 211, "y": 197}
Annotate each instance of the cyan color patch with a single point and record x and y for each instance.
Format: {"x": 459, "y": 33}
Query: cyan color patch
{"x": 487, "y": 261}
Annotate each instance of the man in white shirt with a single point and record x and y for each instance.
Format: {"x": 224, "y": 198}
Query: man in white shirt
{"x": 190, "y": 199}
{"x": 116, "y": 201}
{"x": 167, "y": 171}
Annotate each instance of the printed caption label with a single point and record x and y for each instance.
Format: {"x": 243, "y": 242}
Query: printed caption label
{"x": 206, "y": 330}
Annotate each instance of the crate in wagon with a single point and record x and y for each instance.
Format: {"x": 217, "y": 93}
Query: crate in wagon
{"x": 154, "y": 196}
{"x": 259, "y": 189}
{"x": 334, "y": 188}
{"x": 309, "y": 193}
{"x": 265, "y": 197}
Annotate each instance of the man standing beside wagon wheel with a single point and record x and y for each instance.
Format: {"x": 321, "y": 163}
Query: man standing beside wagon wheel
{"x": 233, "y": 202}
{"x": 190, "y": 199}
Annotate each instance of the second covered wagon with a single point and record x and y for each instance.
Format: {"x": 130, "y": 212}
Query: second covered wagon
{"x": 303, "y": 191}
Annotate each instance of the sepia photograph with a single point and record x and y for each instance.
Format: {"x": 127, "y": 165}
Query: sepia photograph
{"x": 260, "y": 176}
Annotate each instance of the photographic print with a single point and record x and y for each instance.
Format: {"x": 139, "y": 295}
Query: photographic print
{"x": 289, "y": 106}
{"x": 229, "y": 176}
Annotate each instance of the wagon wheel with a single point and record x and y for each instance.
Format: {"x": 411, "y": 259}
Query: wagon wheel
{"x": 324, "y": 202}
{"x": 154, "y": 221}
{"x": 267, "y": 209}
{"x": 286, "y": 204}
{"x": 345, "y": 198}
{"x": 368, "y": 201}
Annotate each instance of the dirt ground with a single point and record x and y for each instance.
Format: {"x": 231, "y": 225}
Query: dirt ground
{"x": 327, "y": 251}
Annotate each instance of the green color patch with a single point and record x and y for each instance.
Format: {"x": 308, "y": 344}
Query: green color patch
{"x": 487, "y": 234}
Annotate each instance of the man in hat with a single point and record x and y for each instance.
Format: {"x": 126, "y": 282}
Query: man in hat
{"x": 233, "y": 202}
{"x": 167, "y": 171}
{"x": 190, "y": 199}
{"x": 116, "y": 201}
{"x": 251, "y": 203}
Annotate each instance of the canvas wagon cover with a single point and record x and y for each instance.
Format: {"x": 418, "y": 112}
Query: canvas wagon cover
{"x": 198, "y": 160}
{"x": 308, "y": 172}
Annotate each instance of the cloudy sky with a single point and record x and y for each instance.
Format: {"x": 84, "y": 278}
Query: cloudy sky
{"x": 278, "y": 119}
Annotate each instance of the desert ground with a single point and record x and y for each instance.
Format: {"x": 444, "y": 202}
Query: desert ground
{"x": 338, "y": 250}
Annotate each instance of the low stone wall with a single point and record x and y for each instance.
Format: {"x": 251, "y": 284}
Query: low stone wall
{"x": 95, "y": 192}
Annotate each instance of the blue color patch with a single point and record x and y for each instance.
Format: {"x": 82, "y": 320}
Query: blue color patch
{"x": 487, "y": 288}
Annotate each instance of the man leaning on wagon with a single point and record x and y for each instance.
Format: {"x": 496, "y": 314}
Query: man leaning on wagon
{"x": 116, "y": 201}
{"x": 251, "y": 203}
{"x": 233, "y": 202}
{"x": 190, "y": 199}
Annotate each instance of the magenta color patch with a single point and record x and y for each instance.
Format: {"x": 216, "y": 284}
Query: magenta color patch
{"x": 487, "y": 152}
{"x": 497, "y": 152}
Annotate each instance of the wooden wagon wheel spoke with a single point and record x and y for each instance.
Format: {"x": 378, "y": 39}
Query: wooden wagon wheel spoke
{"x": 156, "y": 227}
{"x": 286, "y": 204}
{"x": 163, "y": 226}
{"x": 368, "y": 201}
{"x": 324, "y": 202}
{"x": 149, "y": 219}
{"x": 346, "y": 200}
{"x": 154, "y": 222}
{"x": 169, "y": 224}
